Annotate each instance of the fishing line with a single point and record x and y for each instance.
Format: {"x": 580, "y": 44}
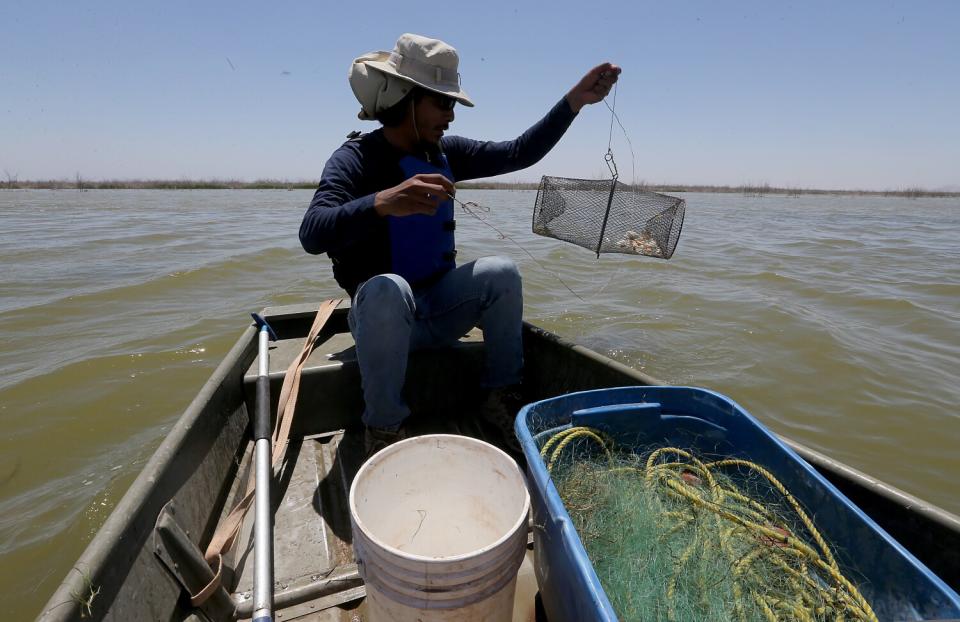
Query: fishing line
{"x": 615, "y": 116}
{"x": 469, "y": 207}
{"x": 633, "y": 168}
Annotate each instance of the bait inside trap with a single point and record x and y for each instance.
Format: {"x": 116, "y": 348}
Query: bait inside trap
{"x": 606, "y": 216}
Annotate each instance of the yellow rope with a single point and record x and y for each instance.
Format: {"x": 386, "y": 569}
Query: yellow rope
{"x": 793, "y": 502}
{"x": 682, "y": 476}
{"x": 569, "y": 435}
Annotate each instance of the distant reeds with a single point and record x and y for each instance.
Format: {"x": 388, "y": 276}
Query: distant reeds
{"x": 79, "y": 183}
{"x": 748, "y": 190}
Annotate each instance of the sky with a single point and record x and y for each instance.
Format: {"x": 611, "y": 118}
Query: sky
{"x": 857, "y": 95}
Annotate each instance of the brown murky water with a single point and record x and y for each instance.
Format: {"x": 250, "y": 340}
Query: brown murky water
{"x": 835, "y": 320}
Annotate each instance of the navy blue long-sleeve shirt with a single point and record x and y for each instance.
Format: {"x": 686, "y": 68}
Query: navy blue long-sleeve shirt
{"x": 341, "y": 220}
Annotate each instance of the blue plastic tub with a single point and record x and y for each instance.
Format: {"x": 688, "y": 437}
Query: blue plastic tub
{"x": 897, "y": 585}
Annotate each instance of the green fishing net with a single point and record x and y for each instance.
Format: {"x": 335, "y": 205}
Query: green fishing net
{"x": 675, "y": 537}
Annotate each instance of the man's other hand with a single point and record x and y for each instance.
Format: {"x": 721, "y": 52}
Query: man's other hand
{"x": 421, "y": 194}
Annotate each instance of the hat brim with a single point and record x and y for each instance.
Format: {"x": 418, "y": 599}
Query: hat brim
{"x": 458, "y": 94}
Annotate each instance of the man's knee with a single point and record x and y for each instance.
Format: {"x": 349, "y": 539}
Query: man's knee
{"x": 385, "y": 296}
{"x": 501, "y": 273}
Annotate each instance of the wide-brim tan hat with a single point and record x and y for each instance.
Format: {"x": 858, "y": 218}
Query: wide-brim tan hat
{"x": 416, "y": 60}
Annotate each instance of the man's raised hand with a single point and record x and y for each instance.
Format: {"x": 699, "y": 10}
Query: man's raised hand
{"x": 594, "y": 86}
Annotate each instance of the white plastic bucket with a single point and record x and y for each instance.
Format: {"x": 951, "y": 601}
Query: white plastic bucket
{"x": 439, "y": 530}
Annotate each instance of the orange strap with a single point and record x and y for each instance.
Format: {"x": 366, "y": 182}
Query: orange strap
{"x": 201, "y": 597}
{"x": 228, "y": 530}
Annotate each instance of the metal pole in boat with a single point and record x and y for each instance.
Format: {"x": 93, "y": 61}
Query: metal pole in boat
{"x": 263, "y": 517}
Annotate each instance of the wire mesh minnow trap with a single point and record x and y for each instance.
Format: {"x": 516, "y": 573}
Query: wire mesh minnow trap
{"x": 605, "y": 216}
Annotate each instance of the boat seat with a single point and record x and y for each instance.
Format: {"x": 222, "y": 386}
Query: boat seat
{"x": 336, "y": 351}
{"x": 440, "y": 381}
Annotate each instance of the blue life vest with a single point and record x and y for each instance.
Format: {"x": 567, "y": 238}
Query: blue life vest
{"x": 423, "y": 248}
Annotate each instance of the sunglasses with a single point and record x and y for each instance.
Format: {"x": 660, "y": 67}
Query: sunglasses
{"x": 443, "y": 102}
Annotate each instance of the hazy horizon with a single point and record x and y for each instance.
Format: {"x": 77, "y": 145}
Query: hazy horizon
{"x": 148, "y": 182}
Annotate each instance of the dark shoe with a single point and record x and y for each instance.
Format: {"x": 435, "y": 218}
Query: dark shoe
{"x": 375, "y": 439}
{"x": 500, "y": 410}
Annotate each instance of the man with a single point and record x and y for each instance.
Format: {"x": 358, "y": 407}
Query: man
{"x": 383, "y": 212}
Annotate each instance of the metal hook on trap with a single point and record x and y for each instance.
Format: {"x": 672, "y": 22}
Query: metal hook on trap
{"x": 611, "y": 163}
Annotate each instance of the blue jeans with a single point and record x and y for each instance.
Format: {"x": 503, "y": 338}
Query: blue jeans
{"x": 389, "y": 320}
